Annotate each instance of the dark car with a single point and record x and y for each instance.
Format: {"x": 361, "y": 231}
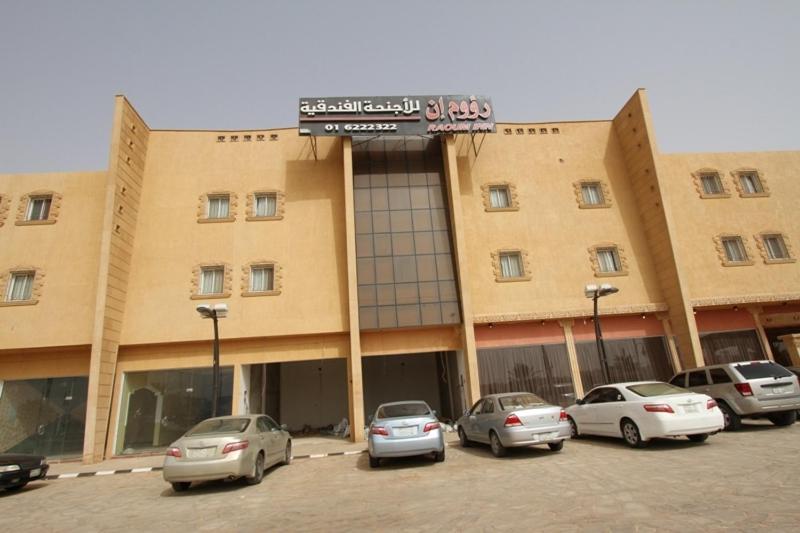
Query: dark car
{"x": 18, "y": 469}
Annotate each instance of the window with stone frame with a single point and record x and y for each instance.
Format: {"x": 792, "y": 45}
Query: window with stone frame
{"x": 217, "y": 206}
{"x": 608, "y": 259}
{"x": 21, "y": 285}
{"x": 709, "y": 184}
{"x": 732, "y": 250}
{"x": 500, "y": 196}
{"x": 511, "y": 265}
{"x": 774, "y": 247}
{"x": 211, "y": 280}
{"x": 39, "y": 207}
{"x": 265, "y": 205}
{"x": 592, "y": 193}
{"x": 750, "y": 183}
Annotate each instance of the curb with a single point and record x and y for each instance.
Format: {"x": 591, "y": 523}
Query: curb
{"x": 159, "y": 468}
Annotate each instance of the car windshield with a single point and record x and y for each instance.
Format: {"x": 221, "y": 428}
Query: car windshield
{"x": 219, "y": 425}
{"x": 656, "y": 389}
{"x": 520, "y": 401}
{"x": 763, "y": 370}
{"x": 403, "y": 409}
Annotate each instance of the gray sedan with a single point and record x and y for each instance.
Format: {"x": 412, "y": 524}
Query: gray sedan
{"x": 227, "y": 447}
{"x": 402, "y": 429}
{"x": 513, "y": 419}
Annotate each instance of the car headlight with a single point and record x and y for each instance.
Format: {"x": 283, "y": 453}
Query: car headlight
{"x": 9, "y": 468}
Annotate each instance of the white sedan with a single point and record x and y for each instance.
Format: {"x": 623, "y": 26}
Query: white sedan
{"x": 643, "y": 410}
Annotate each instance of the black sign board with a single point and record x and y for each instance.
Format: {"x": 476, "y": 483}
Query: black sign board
{"x": 396, "y": 115}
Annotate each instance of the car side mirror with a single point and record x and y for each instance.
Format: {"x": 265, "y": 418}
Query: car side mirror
{"x": 580, "y": 401}
{"x": 285, "y": 427}
{"x": 434, "y": 413}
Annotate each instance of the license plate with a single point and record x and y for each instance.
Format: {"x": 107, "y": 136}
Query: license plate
{"x": 199, "y": 453}
{"x": 405, "y": 432}
{"x": 538, "y": 437}
{"x": 781, "y": 390}
{"x": 691, "y": 408}
{"x": 35, "y": 472}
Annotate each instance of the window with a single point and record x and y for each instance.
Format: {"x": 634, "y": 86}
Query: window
{"x": 265, "y": 205}
{"x": 211, "y": 280}
{"x": 20, "y": 288}
{"x": 775, "y": 247}
{"x": 608, "y": 260}
{"x": 750, "y": 183}
{"x": 38, "y": 208}
{"x": 718, "y": 375}
{"x": 711, "y": 184}
{"x": 698, "y": 378}
{"x": 218, "y": 206}
{"x": 262, "y": 278}
{"x": 592, "y": 193}
{"x": 734, "y": 249}
{"x": 499, "y": 197}
{"x": 511, "y": 265}
{"x": 679, "y": 380}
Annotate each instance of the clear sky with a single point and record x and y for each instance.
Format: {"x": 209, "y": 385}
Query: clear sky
{"x": 721, "y": 75}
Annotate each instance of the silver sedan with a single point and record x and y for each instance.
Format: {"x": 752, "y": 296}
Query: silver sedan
{"x": 227, "y": 447}
{"x": 402, "y": 429}
{"x": 513, "y": 419}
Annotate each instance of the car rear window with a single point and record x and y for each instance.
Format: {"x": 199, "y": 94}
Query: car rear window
{"x": 403, "y": 409}
{"x": 219, "y": 425}
{"x": 655, "y": 389}
{"x": 762, "y": 370}
{"x": 520, "y": 401}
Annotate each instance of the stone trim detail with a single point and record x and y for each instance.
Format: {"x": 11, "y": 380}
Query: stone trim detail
{"x": 738, "y": 183}
{"x": 36, "y": 289}
{"x": 280, "y": 205}
{"x": 526, "y": 265}
{"x": 227, "y": 281}
{"x": 277, "y": 277}
{"x": 623, "y": 260}
{"x": 513, "y": 196}
{"x": 5, "y": 202}
{"x": 52, "y": 215}
{"x": 607, "y": 201}
{"x": 698, "y": 183}
{"x": 202, "y": 207}
{"x": 744, "y": 299}
{"x": 723, "y": 257}
{"x": 762, "y": 249}
{"x": 571, "y": 313}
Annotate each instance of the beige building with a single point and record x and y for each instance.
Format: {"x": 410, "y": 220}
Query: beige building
{"x": 359, "y": 270}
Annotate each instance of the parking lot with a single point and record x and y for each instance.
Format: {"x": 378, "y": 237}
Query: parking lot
{"x": 741, "y": 481}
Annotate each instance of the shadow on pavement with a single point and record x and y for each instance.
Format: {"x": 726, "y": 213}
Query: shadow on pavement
{"x": 478, "y": 449}
{"x": 32, "y": 486}
{"x": 221, "y": 486}
{"x": 397, "y": 463}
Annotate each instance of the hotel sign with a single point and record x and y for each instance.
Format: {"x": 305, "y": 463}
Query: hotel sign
{"x": 396, "y": 115}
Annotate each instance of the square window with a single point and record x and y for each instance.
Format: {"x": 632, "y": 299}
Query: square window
{"x": 711, "y": 184}
{"x": 39, "y": 208}
{"x": 734, "y": 249}
{"x": 608, "y": 260}
{"x": 592, "y": 194}
{"x": 750, "y": 182}
{"x": 262, "y": 278}
{"x": 20, "y": 287}
{"x": 499, "y": 197}
{"x": 265, "y": 205}
{"x": 211, "y": 280}
{"x": 776, "y": 247}
{"x": 511, "y": 265}
{"x": 218, "y": 206}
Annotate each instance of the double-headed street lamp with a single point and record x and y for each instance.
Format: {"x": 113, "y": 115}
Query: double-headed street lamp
{"x": 594, "y": 292}
{"x": 214, "y": 312}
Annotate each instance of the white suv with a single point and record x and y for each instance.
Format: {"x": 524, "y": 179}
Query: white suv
{"x": 747, "y": 389}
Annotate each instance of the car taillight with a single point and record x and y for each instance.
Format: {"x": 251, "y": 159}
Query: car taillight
{"x": 710, "y": 404}
{"x": 235, "y": 446}
{"x": 513, "y": 420}
{"x": 658, "y": 408}
{"x": 378, "y": 430}
{"x": 431, "y": 425}
{"x": 174, "y": 452}
{"x": 563, "y": 416}
{"x": 744, "y": 389}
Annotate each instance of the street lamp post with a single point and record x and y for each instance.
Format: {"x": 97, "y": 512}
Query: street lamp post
{"x": 214, "y": 312}
{"x": 594, "y": 292}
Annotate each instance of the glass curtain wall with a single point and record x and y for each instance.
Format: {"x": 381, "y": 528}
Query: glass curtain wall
{"x": 540, "y": 369}
{"x": 43, "y": 416}
{"x": 636, "y": 359}
{"x": 403, "y": 243}
{"x": 159, "y": 406}
{"x": 731, "y": 346}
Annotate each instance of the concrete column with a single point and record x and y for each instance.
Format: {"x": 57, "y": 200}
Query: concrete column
{"x": 673, "y": 348}
{"x": 762, "y": 335}
{"x": 239, "y": 387}
{"x": 572, "y": 352}
{"x": 472, "y": 387}
{"x": 792, "y": 343}
{"x": 355, "y": 387}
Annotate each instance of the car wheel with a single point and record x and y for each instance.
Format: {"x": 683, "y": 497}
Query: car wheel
{"x": 497, "y": 447}
{"x": 439, "y": 456}
{"x": 287, "y": 454}
{"x": 181, "y": 486}
{"x": 17, "y": 486}
{"x": 573, "y": 428}
{"x": 555, "y": 446}
{"x": 786, "y": 418}
{"x": 462, "y": 438}
{"x": 258, "y": 471}
{"x": 374, "y": 462}
{"x": 698, "y": 438}
{"x": 630, "y": 432}
{"x": 732, "y": 420}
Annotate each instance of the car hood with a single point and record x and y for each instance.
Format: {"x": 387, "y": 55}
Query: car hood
{"x": 20, "y": 459}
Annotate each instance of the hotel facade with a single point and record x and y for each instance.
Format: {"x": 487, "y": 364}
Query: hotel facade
{"x": 368, "y": 266}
